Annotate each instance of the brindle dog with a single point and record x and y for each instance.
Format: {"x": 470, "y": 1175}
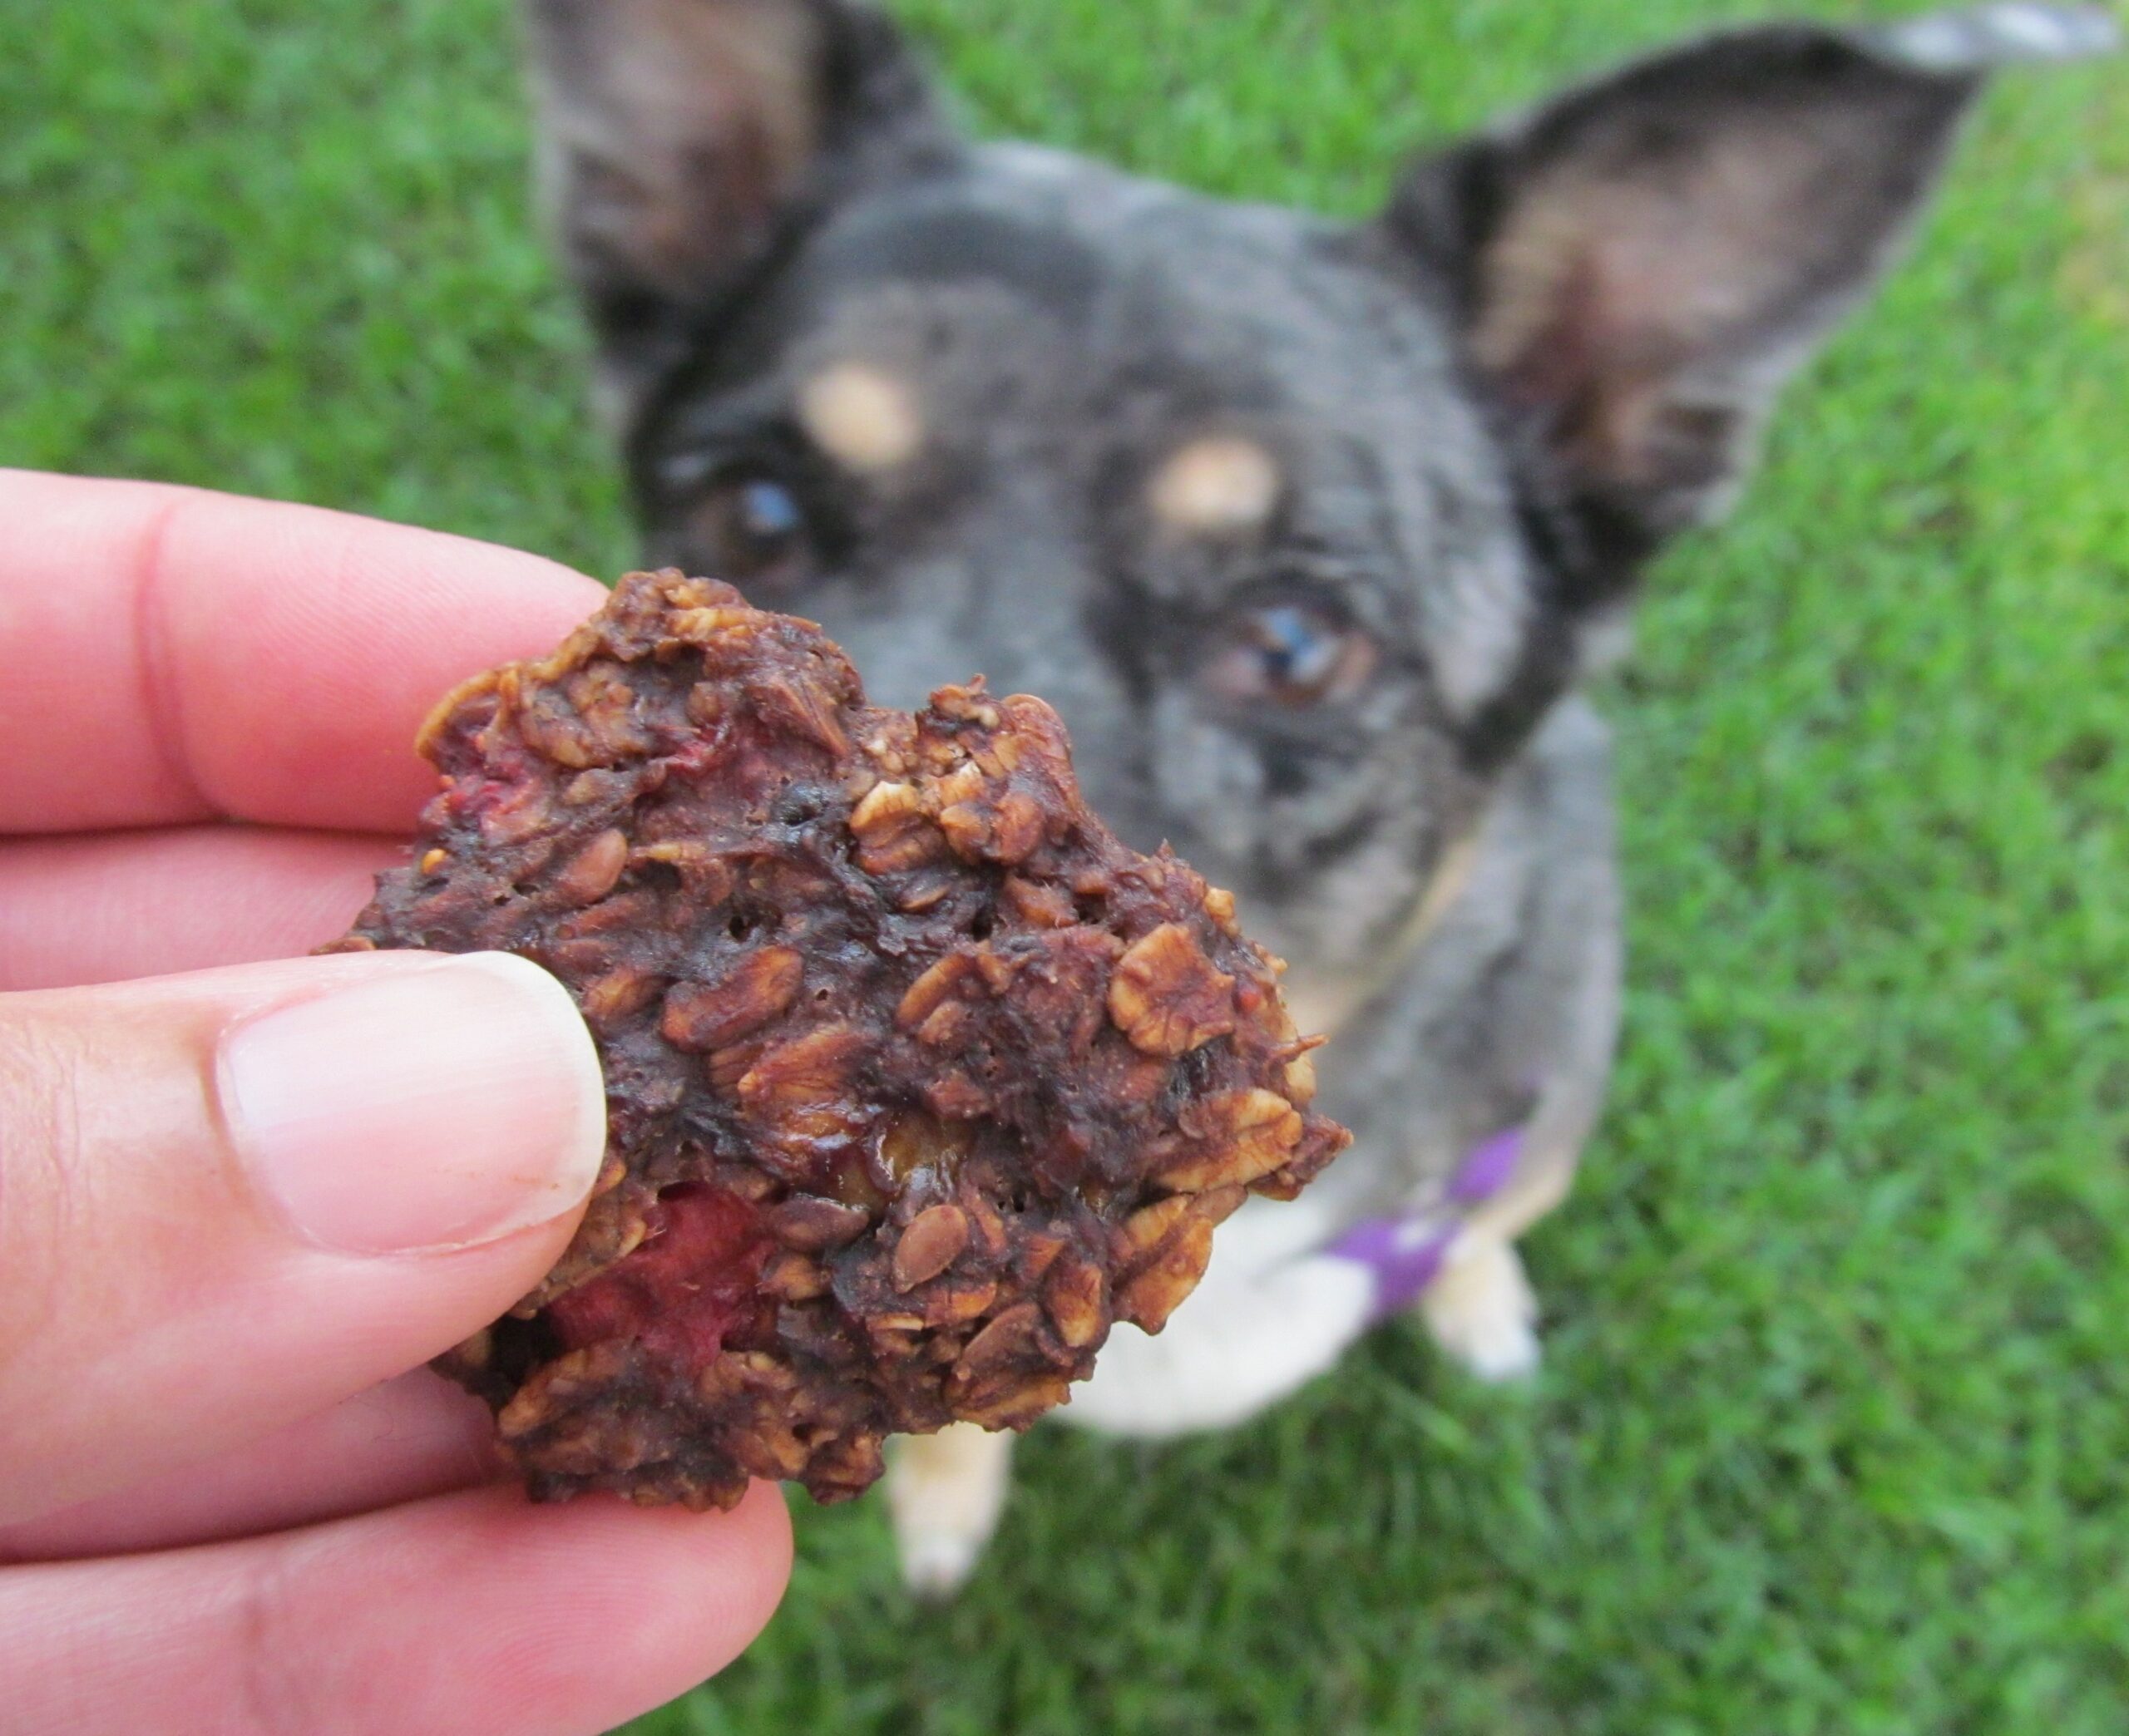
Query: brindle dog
{"x": 1311, "y": 530}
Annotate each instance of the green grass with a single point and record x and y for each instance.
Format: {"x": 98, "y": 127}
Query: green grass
{"x": 1831, "y": 1433}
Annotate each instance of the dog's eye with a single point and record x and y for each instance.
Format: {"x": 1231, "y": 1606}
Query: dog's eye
{"x": 1291, "y": 653}
{"x": 753, "y": 529}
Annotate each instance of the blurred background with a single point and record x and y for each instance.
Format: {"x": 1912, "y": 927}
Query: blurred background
{"x": 1830, "y": 1430}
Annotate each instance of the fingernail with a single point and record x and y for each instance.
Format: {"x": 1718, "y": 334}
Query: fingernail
{"x": 446, "y": 1104}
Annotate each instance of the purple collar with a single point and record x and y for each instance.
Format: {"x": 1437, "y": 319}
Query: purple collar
{"x": 1404, "y": 1253}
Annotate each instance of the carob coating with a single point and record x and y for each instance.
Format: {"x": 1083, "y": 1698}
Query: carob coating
{"x": 918, "y": 1079}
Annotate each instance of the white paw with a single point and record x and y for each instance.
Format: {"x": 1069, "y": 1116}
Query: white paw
{"x": 944, "y": 1492}
{"x": 935, "y": 1564}
{"x": 1481, "y": 1310}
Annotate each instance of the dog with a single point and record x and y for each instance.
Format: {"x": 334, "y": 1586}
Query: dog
{"x": 1312, "y": 531}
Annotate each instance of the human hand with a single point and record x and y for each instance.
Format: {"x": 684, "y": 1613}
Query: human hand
{"x": 237, "y": 1205}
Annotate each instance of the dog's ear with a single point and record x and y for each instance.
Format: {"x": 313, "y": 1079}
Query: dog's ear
{"x": 1636, "y": 266}
{"x": 681, "y": 139}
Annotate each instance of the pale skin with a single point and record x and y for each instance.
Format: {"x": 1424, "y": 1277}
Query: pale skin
{"x": 226, "y": 1505}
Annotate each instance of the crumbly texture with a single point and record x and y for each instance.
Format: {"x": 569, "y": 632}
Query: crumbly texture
{"x": 918, "y": 1079}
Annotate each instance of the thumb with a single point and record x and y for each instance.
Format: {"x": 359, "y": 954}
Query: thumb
{"x": 230, "y": 1199}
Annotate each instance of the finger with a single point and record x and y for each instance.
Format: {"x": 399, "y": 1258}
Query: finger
{"x": 413, "y": 1437}
{"x": 175, "y": 655}
{"x": 473, "y": 1613}
{"x": 109, "y": 905}
{"x": 234, "y": 1198}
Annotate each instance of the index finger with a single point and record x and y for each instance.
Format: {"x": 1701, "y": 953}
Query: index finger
{"x": 175, "y": 655}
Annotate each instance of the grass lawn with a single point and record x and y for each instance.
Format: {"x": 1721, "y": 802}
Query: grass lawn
{"x": 1832, "y": 1431}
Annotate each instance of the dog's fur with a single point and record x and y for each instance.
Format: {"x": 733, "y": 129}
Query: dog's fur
{"x": 1309, "y": 529}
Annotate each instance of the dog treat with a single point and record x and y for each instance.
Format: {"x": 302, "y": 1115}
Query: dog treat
{"x": 918, "y": 1079}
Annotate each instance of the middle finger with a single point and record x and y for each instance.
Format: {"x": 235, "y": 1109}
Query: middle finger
{"x": 410, "y": 1438}
{"x": 107, "y": 906}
